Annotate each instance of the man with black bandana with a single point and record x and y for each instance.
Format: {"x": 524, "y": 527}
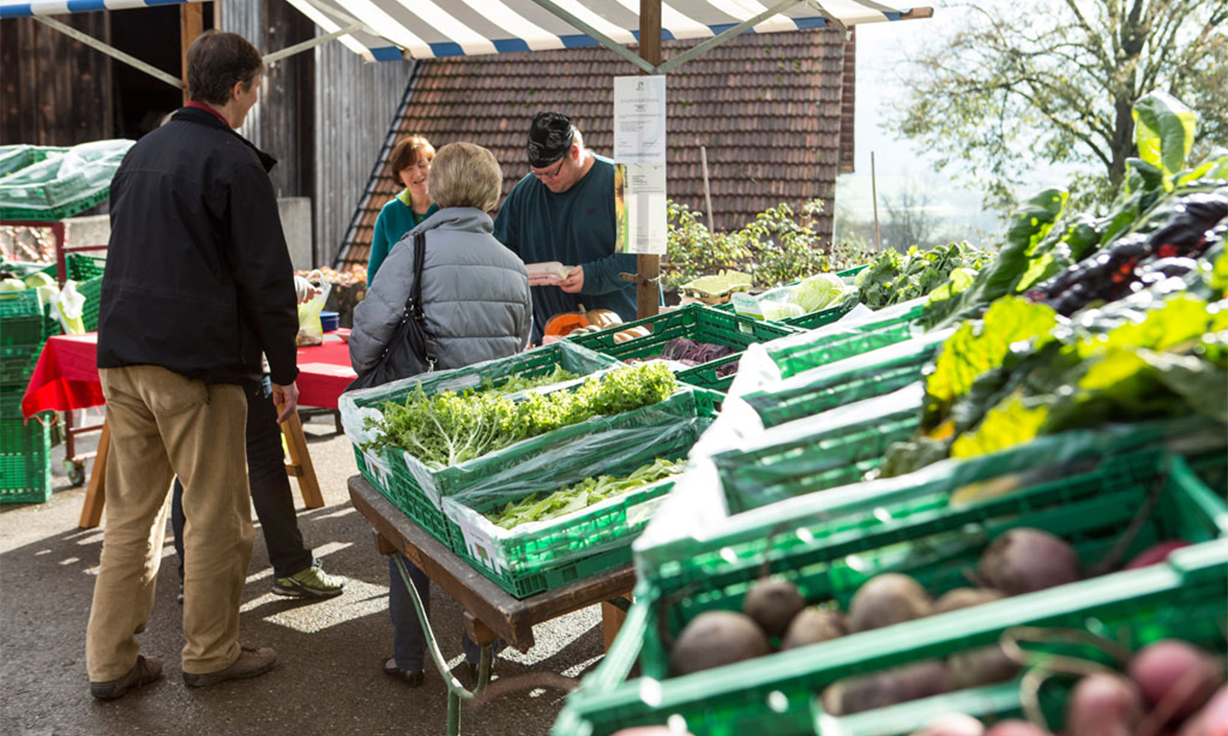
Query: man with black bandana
{"x": 563, "y": 210}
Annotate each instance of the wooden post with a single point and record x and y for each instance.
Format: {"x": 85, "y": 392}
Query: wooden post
{"x": 191, "y": 25}
{"x": 878, "y": 243}
{"x": 648, "y": 294}
{"x": 703, "y": 158}
{"x": 96, "y": 493}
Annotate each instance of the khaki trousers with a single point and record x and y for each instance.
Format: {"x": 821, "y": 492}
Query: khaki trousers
{"x": 162, "y": 425}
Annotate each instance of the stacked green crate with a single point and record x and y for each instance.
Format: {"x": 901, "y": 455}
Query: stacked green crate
{"x": 25, "y": 448}
{"x": 694, "y": 322}
{"x": 916, "y": 529}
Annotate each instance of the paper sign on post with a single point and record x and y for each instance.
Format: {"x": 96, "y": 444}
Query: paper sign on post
{"x": 639, "y": 203}
{"x": 639, "y": 119}
{"x": 639, "y": 175}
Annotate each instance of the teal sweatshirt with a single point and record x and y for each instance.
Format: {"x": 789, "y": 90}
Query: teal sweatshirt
{"x": 396, "y": 219}
{"x": 576, "y": 228}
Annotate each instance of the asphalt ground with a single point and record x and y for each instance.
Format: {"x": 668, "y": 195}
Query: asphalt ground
{"x": 328, "y": 678}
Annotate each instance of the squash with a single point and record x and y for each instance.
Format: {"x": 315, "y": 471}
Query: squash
{"x": 603, "y": 318}
{"x": 567, "y": 322}
{"x": 632, "y": 333}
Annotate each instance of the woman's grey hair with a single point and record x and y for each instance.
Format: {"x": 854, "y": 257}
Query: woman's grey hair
{"x": 465, "y": 175}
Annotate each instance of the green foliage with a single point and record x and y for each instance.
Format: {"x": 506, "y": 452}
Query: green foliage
{"x": 452, "y": 428}
{"x": 1019, "y": 84}
{"x": 582, "y": 495}
{"x": 778, "y": 247}
{"x": 895, "y": 277}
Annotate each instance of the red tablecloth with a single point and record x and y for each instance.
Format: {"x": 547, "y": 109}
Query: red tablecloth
{"x": 66, "y": 376}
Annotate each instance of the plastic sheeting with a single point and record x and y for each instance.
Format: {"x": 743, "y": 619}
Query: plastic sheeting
{"x": 60, "y": 179}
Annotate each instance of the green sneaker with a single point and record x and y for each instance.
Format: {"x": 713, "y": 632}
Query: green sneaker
{"x": 310, "y": 583}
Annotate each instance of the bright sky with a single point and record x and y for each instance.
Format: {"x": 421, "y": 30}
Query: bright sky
{"x": 883, "y": 50}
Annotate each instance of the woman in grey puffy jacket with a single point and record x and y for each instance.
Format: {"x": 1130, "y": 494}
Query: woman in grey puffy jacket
{"x": 475, "y": 296}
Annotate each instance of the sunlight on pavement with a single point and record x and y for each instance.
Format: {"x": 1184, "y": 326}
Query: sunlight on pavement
{"x": 359, "y": 600}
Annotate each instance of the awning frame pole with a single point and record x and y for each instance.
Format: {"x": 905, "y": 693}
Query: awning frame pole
{"x": 309, "y": 44}
{"x": 726, "y": 35}
{"x": 598, "y": 36}
{"x": 111, "y": 51}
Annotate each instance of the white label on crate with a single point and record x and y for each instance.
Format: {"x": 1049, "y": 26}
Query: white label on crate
{"x": 746, "y": 304}
{"x": 479, "y": 546}
{"x": 459, "y": 383}
{"x": 378, "y": 468}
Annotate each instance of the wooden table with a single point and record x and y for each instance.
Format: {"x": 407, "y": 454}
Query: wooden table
{"x": 491, "y": 611}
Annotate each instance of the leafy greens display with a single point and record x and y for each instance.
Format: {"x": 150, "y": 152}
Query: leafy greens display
{"x": 451, "y": 428}
{"x": 582, "y": 495}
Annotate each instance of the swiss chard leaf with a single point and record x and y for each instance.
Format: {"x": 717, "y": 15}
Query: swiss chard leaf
{"x": 1164, "y": 132}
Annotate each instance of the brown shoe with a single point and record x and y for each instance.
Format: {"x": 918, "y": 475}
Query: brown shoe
{"x": 145, "y": 671}
{"x": 251, "y": 662}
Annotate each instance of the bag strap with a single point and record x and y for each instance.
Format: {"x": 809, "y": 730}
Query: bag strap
{"x": 415, "y": 300}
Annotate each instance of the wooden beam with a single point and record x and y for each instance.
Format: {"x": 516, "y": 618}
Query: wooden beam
{"x": 191, "y": 25}
{"x": 648, "y": 267}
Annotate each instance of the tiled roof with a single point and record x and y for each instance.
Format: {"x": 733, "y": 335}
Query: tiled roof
{"x": 775, "y": 112}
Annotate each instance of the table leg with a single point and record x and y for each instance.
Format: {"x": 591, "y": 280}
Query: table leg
{"x": 612, "y": 618}
{"x": 96, "y": 493}
{"x": 300, "y": 465}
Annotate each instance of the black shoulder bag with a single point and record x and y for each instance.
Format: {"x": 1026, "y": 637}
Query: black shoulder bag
{"x": 411, "y": 344}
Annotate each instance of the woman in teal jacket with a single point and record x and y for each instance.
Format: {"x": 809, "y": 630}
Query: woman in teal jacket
{"x": 411, "y": 162}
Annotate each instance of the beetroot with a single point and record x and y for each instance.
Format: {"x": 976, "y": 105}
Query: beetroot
{"x": 812, "y": 626}
{"x": 717, "y": 638}
{"x": 898, "y": 685}
{"x": 1025, "y": 560}
{"x": 1177, "y": 669}
{"x": 773, "y": 604}
{"x": 953, "y": 600}
{"x": 981, "y": 666}
{"x": 1104, "y": 704}
{"x": 887, "y": 599}
{"x": 1156, "y": 553}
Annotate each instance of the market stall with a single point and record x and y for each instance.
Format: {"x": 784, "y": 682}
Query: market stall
{"x": 66, "y": 378}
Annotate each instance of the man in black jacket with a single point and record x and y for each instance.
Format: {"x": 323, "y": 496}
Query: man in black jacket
{"x": 198, "y": 285}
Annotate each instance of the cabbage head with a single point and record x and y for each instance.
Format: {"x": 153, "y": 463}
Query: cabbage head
{"x": 819, "y": 292}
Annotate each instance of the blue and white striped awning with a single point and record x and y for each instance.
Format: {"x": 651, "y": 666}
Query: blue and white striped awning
{"x": 425, "y": 29}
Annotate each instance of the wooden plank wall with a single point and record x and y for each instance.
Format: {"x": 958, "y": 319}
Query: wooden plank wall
{"x": 56, "y": 91}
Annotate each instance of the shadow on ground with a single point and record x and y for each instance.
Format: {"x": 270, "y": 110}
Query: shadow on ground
{"x": 328, "y": 679}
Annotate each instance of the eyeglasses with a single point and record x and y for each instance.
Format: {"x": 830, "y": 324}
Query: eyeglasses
{"x": 551, "y": 174}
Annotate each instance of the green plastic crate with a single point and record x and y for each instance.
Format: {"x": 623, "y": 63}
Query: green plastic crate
{"x": 837, "y": 452}
{"x": 563, "y": 456}
{"x": 17, "y": 436}
{"x": 554, "y": 553}
{"x": 773, "y": 694}
{"x": 840, "y": 341}
{"x": 25, "y": 477}
{"x": 864, "y": 376}
{"x": 22, "y": 322}
{"x": 696, "y": 322}
{"x": 17, "y": 364}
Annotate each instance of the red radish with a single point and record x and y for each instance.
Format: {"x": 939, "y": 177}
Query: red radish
{"x": 1025, "y": 560}
{"x": 1211, "y": 720}
{"x": 1176, "y": 669}
{"x": 1104, "y": 704}
{"x": 953, "y": 724}
{"x": 1156, "y": 553}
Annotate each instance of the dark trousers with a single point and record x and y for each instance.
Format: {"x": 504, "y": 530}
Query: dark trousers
{"x": 271, "y": 496}
{"x": 408, "y": 639}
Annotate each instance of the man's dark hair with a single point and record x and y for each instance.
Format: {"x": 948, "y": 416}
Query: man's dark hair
{"x": 216, "y": 60}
